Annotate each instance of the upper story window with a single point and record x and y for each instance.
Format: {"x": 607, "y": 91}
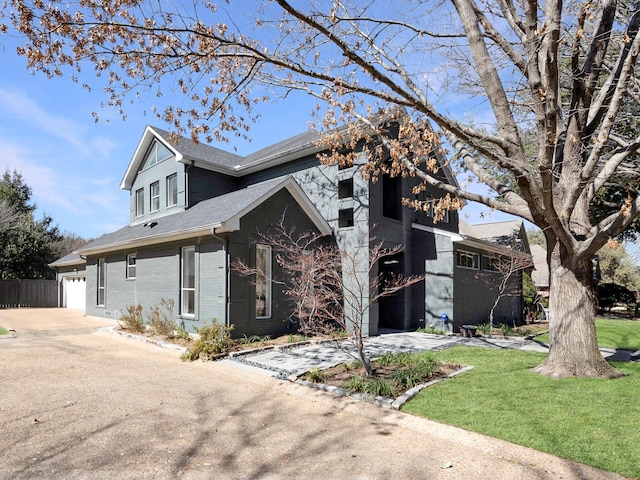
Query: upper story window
{"x": 155, "y": 197}
{"x": 345, "y": 218}
{"x": 467, "y": 259}
{"x": 157, "y": 153}
{"x": 131, "y": 265}
{"x": 140, "y": 202}
{"x": 431, "y": 212}
{"x": 172, "y": 190}
{"x": 345, "y": 188}
{"x": 392, "y": 196}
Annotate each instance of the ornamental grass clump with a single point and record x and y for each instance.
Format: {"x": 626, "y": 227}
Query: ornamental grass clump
{"x": 132, "y": 320}
{"x": 160, "y": 319}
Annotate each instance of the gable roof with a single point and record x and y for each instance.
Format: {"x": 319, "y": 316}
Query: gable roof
{"x": 186, "y": 151}
{"x": 68, "y": 260}
{"x": 205, "y": 156}
{"x": 506, "y": 233}
{"x": 540, "y": 274}
{"x": 216, "y": 215}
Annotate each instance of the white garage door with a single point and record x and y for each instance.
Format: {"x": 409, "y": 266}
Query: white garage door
{"x": 74, "y": 292}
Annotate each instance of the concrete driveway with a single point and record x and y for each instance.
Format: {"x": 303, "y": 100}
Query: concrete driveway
{"x": 80, "y": 403}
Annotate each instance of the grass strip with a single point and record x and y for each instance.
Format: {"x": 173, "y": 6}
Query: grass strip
{"x": 3, "y": 331}
{"x": 620, "y": 334}
{"x": 596, "y": 422}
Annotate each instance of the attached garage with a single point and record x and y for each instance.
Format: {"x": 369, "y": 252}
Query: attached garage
{"x": 72, "y": 281}
{"x": 74, "y": 290}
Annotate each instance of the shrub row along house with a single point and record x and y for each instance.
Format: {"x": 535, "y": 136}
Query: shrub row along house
{"x": 195, "y": 208}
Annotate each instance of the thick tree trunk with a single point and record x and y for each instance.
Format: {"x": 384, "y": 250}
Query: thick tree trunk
{"x": 573, "y": 346}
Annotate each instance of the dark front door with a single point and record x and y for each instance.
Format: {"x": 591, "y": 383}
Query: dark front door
{"x": 391, "y": 309}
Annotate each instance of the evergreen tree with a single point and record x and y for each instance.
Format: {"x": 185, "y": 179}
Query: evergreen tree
{"x": 26, "y": 244}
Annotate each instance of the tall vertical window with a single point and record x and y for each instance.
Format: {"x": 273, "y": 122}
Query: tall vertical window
{"x": 263, "y": 281}
{"x": 172, "y": 190}
{"x": 101, "y": 281}
{"x": 131, "y": 265}
{"x": 188, "y": 281}
{"x": 155, "y": 197}
{"x": 140, "y": 202}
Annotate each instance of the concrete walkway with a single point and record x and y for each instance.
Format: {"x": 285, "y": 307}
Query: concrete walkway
{"x": 293, "y": 361}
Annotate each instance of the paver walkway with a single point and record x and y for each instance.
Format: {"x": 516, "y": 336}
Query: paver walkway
{"x": 287, "y": 361}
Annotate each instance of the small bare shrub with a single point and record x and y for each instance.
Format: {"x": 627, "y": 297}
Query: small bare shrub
{"x": 161, "y": 320}
{"x": 214, "y": 339}
{"x": 132, "y": 320}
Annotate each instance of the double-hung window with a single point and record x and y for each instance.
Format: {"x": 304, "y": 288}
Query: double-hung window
{"x": 172, "y": 190}
{"x": 188, "y": 281}
{"x": 131, "y": 266}
{"x": 101, "y": 282}
{"x": 263, "y": 281}
{"x": 155, "y": 197}
{"x": 140, "y": 202}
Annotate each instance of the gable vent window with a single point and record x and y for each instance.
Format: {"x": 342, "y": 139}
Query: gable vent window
{"x": 157, "y": 153}
{"x": 155, "y": 197}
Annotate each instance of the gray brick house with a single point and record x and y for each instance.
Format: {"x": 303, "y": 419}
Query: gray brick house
{"x": 194, "y": 208}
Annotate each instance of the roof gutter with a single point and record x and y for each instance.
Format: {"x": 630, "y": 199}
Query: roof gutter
{"x": 153, "y": 240}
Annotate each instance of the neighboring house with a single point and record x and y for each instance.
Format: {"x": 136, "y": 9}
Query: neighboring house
{"x": 540, "y": 274}
{"x": 476, "y": 278}
{"x": 195, "y": 208}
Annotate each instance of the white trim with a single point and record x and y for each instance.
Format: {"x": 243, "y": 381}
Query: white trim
{"x": 456, "y": 237}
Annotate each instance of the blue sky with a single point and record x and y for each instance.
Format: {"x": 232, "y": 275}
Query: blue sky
{"x": 74, "y": 165}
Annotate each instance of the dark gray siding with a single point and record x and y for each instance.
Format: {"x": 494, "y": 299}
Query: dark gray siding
{"x": 242, "y": 246}
{"x": 205, "y": 184}
{"x": 475, "y": 292}
{"x": 320, "y": 184}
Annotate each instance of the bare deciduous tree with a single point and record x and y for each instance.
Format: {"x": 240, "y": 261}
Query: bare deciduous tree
{"x": 331, "y": 289}
{"x": 503, "y": 273}
{"x": 549, "y": 84}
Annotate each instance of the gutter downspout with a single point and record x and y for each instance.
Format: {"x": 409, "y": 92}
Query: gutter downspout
{"x": 225, "y": 249}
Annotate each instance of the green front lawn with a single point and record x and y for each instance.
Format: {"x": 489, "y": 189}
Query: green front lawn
{"x": 620, "y": 334}
{"x": 596, "y": 422}
{"x": 3, "y": 331}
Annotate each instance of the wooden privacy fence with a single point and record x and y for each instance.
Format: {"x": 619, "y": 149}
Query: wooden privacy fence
{"x": 28, "y": 293}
